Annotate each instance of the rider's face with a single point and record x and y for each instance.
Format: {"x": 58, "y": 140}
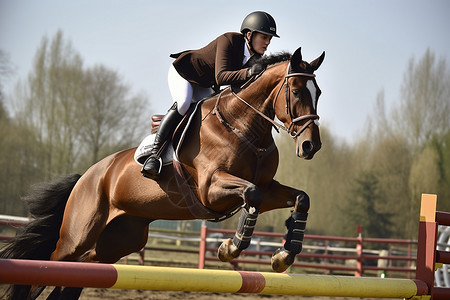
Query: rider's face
{"x": 260, "y": 41}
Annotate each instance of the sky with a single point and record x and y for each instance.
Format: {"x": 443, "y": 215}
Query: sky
{"x": 368, "y": 44}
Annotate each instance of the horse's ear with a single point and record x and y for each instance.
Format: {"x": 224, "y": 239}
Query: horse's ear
{"x": 296, "y": 58}
{"x": 315, "y": 64}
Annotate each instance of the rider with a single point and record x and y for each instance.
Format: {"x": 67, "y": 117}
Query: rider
{"x": 195, "y": 74}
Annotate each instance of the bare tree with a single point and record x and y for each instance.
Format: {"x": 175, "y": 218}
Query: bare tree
{"x": 17, "y": 170}
{"x": 406, "y": 149}
{"x": 49, "y": 100}
{"x": 424, "y": 110}
{"x": 6, "y": 71}
{"x": 79, "y": 114}
{"x": 111, "y": 118}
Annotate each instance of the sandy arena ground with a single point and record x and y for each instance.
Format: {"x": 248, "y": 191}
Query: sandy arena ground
{"x": 96, "y": 294}
{"x": 108, "y": 294}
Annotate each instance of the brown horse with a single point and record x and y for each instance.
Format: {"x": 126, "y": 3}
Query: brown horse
{"x": 229, "y": 159}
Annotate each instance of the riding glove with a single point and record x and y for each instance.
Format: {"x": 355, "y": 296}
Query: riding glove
{"x": 254, "y": 70}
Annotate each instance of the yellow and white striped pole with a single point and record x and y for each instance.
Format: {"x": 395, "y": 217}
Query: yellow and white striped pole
{"x": 51, "y": 273}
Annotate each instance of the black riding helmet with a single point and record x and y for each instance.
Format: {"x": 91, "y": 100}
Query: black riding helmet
{"x": 259, "y": 21}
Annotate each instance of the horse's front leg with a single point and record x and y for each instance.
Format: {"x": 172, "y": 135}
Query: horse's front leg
{"x": 226, "y": 188}
{"x": 282, "y": 196}
{"x": 296, "y": 224}
{"x": 231, "y": 248}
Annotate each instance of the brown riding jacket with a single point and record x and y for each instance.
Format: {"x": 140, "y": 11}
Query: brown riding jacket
{"x": 218, "y": 63}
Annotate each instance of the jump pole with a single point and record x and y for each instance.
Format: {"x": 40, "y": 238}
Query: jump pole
{"x": 51, "y": 273}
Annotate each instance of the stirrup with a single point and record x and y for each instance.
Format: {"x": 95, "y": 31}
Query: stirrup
{"x": 154, "y": 174}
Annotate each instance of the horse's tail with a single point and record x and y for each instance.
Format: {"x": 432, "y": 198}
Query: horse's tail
{"x": 46, "y": 203}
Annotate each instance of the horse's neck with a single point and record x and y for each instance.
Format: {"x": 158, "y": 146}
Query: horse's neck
{"x": 266, "y": 89}
{"x": 253, "y": 100}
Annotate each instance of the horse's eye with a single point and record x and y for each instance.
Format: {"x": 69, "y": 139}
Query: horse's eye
{"x": 296, "y": 93}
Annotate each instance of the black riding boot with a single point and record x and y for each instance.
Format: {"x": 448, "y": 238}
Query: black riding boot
{"x": 153, "y": 164}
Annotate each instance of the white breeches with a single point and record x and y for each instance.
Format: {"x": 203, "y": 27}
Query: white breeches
{"x": 183, "y": 92}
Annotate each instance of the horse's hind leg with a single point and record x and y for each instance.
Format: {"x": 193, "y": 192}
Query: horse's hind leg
{"x": 84, "y": 220}
{"x": 36, "y": 291}
{"x": 122, "y": 236}
{"x": 67, "y": 293}
{"x": 19, "y": 292}
{"x": 55, "y": 294}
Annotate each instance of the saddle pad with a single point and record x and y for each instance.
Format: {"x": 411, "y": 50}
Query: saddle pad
{"x": 144, "y": 149}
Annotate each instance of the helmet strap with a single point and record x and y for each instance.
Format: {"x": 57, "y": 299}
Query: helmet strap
{"x": 249, "y": 42}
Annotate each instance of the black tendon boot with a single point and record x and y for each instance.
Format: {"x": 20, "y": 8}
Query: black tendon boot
{"x": 296, "y": 225}
{"x": 152, "y": 166}
{"x": 246, "y": 225}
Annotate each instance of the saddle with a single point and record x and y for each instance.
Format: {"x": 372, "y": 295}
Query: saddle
{"x": 144, "y": 149}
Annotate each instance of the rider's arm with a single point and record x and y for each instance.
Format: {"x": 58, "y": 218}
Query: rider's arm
{"x": 228, "y": 65}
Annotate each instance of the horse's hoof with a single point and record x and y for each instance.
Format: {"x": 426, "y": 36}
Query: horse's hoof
{"x": 228, "y": 251}
{"x": 281, "y": 260}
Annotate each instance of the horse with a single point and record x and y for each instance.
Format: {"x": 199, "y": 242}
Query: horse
{"x": 228, "y": 157}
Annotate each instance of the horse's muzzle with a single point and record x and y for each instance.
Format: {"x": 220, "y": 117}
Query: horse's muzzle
{"x": 307, "y": 148}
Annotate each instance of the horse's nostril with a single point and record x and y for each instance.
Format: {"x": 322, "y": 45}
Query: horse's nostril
{"x": 307, "y": 147}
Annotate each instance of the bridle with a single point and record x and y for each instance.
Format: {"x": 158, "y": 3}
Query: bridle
{"x": 310, "y": 117}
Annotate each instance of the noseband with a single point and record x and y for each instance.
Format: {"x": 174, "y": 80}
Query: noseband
{"x": 310, "y": 117}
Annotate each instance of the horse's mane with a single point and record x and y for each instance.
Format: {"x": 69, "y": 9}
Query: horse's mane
{"x": 267, "y": 60}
